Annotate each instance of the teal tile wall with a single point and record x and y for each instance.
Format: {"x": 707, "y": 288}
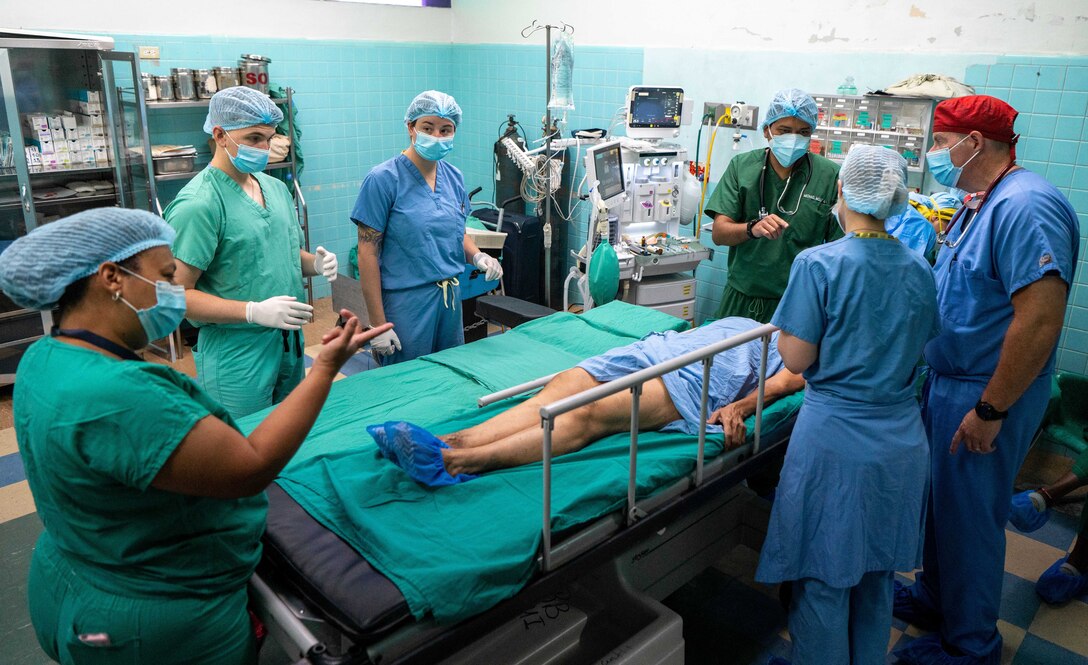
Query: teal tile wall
{"x": 1051, "y": 95}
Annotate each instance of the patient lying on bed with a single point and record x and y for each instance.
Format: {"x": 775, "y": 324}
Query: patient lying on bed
{"x": 668, "y": 403}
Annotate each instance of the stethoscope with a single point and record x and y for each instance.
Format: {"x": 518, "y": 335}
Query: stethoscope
{"x": 763, "y": 176}
{"x": 972, "y": 204}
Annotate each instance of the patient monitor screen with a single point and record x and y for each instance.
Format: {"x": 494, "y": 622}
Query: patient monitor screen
{"x": 655, "y": 107}
{"x": 608, "y": 166}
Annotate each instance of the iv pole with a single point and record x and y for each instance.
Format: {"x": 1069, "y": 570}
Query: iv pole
{"x": 549, "y": 133}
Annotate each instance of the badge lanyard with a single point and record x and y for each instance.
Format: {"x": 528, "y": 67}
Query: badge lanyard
{"x": 95, "y": 340}
{"x": 875, "y": 235}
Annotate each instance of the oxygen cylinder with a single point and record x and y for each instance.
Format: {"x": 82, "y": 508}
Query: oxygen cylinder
{"x": 507, "y": 173}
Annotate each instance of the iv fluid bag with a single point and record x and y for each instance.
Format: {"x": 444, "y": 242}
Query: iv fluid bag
{"x": 561, "y": 96}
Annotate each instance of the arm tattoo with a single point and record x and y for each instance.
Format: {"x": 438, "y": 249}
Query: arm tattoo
{"x": 369, "y": 235}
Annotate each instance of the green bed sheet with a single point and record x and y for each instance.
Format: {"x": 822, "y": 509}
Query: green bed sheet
{"x": 455, "y": 551}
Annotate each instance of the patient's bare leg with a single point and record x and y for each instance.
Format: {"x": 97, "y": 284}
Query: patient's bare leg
{"x": 524, "y": 415}
{"x": 573, "y": 431}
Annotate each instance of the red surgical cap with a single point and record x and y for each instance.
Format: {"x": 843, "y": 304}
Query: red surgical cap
{"x": 984, "y": 114}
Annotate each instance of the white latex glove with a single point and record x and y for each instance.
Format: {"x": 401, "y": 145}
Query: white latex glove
{"x": 284, "y": 312}
{"x": 489, "y": 265}
{"x": 385, "y": 344}
{"x": 325, "y": 264}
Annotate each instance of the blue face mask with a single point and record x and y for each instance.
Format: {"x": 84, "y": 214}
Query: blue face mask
{"x": 248, "y": 160}
{"x": 788, "y": 148}
{"x": 166, "y": 314}
{"x": 432, "y": 148}
{"x": 835, "y": 214}
{"x": 941, "y": 166}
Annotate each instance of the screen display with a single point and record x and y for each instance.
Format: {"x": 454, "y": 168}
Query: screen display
{"x": 608, "y": 166}
{"x": 656, "y": 107}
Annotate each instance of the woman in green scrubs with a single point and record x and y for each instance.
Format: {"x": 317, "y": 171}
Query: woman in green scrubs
{"x": 239, "y": 252}
{"x": 152, "y": 499}
{"x": 770, "y": 205}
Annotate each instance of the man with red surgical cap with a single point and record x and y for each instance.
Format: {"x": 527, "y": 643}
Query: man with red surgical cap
{"x": 1003, "y": 274}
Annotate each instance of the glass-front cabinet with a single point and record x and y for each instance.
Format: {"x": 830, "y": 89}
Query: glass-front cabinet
{"x": 72, "y": 137}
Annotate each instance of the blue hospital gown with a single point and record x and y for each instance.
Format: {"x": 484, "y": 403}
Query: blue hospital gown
{"x": 734, "y": 373}
{"x": 852, "y": 489}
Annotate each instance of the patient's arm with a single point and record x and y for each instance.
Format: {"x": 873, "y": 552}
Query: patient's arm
{"x": 731, "y": 416}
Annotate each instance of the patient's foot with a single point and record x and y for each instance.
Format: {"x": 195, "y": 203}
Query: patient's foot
{"x": 463, "y": 461}
{"x": 453, "y": 439}
{"x": 417, "y": 451}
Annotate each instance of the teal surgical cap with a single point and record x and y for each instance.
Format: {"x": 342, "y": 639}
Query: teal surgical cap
{"x": 238, "y": 107}
{"x": 37, "y": 268}
{"x": 433, "y": 102}
{"x": 791, "y": 102}
{"x": 874, "y": 181}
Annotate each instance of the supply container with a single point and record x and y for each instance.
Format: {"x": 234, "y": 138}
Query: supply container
{"x": 226, "y": 77}
{"x": 254, "y": 71}
{"x": 166, "y": 88}
{"x": 183, "y": 83}
{"x": 205, "y": 82}
{"x": 150, "y": 86}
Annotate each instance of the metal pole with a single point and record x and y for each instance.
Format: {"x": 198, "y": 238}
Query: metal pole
{"x": 514, "y": 390}
{"x": 636, "y": 393}
{"x": 759, "y": 397}
{"x": 547, "y": 165}
{"x": 707, "y": 362}
{"x": 546, "y": 545}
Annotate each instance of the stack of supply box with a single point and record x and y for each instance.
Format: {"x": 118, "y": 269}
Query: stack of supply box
{"x": 75, "y": 138}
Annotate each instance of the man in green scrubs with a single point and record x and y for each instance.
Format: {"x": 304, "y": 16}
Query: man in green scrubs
{"x": 240, "y": 257}
{"x": 770, "y": 205}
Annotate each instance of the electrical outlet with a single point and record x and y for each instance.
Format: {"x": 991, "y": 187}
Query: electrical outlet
{"x": 149, "y": 52}
{"x": 712, "y": 111}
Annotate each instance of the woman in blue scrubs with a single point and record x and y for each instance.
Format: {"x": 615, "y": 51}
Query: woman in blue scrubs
{"x": 411, "y": 215}
{"x": 848, "y": 510}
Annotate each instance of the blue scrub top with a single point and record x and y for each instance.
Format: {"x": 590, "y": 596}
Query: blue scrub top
{"x": 820, "y": 306}
{"x": 913, "y": 230}
{"x": 1025, "y": 230}
{"x": 424, "y": 230}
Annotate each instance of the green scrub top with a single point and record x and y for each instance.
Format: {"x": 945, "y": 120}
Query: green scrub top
{"x": 94, "y": 432}
{"x": 760, "y": 268}
{"x": 246, "y": 252}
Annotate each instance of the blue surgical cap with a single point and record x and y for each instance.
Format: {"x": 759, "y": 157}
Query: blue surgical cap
{"x": 874, "y": 181}
{"x": 238, "y": 107}
{"x": 433, "y": 102}
{"x": 791, "y": 102}
{"x": 947, "y": 200}
{"x": 38, "y": 267}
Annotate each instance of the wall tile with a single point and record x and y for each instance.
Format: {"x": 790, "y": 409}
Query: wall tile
{"x": 1073, "y": 102}
{"x": 1022, "y": 100}
{"x": 1068, "y": 127}
{"x": 1042, "y": 126}
{"x": 1060, "y": 175}
{"x": 1047, "y": 101}
{"x": 1025, "y": 76}
{"x": 1051, "y": 78}
{"x": 999, "y": 76}
{"x": 1064, "y": 152}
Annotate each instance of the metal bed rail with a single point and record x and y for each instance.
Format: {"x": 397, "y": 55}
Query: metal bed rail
{"x": 634, "y": 382}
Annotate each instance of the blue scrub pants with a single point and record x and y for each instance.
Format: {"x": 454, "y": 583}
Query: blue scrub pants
{"x": 964, "y": 556}
{"x": 850, "y": 626}
{"x": 425, "y": 319}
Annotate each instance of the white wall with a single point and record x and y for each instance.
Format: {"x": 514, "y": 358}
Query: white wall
{"x": 274, "y": 19}
{"x": 957, "y": 26}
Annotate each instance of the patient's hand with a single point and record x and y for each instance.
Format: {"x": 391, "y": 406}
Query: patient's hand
{"x": 731, "y": 419}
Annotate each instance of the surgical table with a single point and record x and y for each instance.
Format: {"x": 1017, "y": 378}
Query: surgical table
{"x": 590, "y": 597}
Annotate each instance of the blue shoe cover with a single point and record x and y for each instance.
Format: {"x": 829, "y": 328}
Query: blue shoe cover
{"x": 1055, "y": 587}
{"x": 928, "y": 650}
{"x": 417, "y": 451}
{"x": 1023, "y": 515}
{"x": 907, "y": 608}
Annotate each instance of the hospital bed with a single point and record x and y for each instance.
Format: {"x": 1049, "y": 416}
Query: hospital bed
{"x": 596, "y": 538}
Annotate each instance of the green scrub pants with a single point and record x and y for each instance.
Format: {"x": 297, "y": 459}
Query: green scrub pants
{"x": 735, "y": 303}
{"x": 126, "y": 630}
{"x": 248, "y": 369}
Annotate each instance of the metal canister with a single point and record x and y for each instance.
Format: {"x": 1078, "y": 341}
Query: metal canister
{"x": 204, "y": 80}
{"x": 183, "y": 83}
{"x": 226, "y": 77}
{"x": 254, "y": 70}
{"x": 151, "y": 87}
{"x": 166, "y": 88}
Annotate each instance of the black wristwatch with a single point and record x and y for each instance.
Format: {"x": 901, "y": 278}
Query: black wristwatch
{"x": 986, "y": 411}
{"x": 750, "y": 225}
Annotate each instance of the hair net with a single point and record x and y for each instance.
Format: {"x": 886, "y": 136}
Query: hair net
{"x": 433, "y": 102}
{"x": 947, "y": 200}
{"x": 874, "y": 181}
{"x": 238, "y": 107}
{"x": 38, "y": 267}
{"x": 791, "y": 102}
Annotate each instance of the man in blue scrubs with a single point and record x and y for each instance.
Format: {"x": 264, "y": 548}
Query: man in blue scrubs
{"x": 1003, "y": 276}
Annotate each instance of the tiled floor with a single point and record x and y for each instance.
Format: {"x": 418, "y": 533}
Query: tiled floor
{"x": 728, "y": 618}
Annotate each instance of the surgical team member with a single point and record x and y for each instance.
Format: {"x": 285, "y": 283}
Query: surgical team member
{"x": 1003, "y": 277}
{"x": 239, "y": 257}
{"x": 410, "y": 216}
{"x": 849, "y": 505}
{"x": 770, "y": 204}
{"x": 152, "y": 500}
